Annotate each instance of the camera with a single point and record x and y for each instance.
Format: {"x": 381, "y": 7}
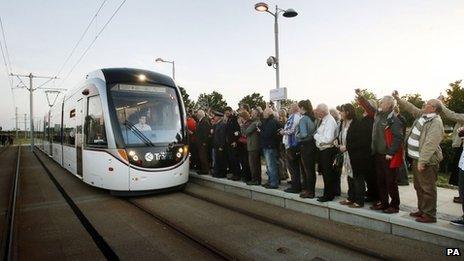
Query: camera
{"x": 461, "y": 133}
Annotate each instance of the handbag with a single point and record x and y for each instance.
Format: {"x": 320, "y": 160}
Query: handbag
{"x": 338, "y": 161}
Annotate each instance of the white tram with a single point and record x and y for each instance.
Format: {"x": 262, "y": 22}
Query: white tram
{"x": 123, "y": 130}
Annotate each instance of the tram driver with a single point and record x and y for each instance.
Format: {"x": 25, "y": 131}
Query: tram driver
{"x": 142, "y": 124}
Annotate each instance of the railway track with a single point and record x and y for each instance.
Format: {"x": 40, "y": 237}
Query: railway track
{"x": 204, "y": 245}
{"x": 187, "y": 222}
{"x": 10, "y": 217}
{"x": 202, "y": 242}
{"x": 326, "y": 239}
{"x": 105, "y": 247}
{"x": 101, "y": 243}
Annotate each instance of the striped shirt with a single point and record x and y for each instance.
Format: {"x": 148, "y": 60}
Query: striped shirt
{"x": 289, "y": 139}
{"x": 414, "y": 137}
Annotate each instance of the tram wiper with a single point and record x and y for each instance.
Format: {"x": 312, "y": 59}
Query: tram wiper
{"x": 138, "y": 133}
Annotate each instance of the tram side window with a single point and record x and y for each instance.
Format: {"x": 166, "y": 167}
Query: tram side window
{"x": 69, "y": 137}
{"x": 94, "y": 124}
{"x": 69, "y": 123}
{"x": 57, "y": 133}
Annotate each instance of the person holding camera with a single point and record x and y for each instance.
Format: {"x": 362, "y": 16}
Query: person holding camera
{"x": 456, "y": 144}
{"x": 387, "y": 148}
{"x": 423, "y": 146}
{"x": 460, "y": 222}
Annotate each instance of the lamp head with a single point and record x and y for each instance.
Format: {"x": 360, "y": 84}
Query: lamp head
{"x": 290, "y": 13}
{"x": 261, "y": 7}
{"x": 159, "y": 60}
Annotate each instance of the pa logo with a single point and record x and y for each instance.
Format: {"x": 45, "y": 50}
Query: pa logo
{"x": 453, "y": 252}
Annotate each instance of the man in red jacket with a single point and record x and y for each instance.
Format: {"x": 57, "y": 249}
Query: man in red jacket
{"x": 191, "y": 128}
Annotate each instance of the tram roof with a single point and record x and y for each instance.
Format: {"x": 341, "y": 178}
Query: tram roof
{"x": 132, "y": 75}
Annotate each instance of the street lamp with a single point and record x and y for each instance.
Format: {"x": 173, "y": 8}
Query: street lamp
{"x": 161, "y": 60}
{"x": 289, "y": 13}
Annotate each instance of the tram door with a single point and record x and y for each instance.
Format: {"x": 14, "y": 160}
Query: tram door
{"x": 79, "y": 135}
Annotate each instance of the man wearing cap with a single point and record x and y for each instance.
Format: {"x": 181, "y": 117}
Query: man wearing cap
{"x": 203, "y": 135}
{"x": 233, "y": 134}
{"x": 219, "y": 145}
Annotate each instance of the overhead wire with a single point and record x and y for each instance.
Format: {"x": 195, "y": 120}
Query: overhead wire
{"x": 80, "y": 39}
{"x": 7, "y": 61}
{"x": 94, "y": 40}
{"x": 49, "y": 80}
{"x": 6, "y": 46}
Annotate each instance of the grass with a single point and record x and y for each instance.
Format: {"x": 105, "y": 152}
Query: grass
{"x": 442, "y": 181}
{"x": 22, "y": 140}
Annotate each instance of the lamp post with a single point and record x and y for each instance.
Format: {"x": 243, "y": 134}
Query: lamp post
{"x": 161, "y": 60}
{"x": 289, "y": 13}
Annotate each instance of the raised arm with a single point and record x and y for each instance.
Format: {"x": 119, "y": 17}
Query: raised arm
{"x": 365, "y": 104}
{"x": 407, "y": 106}
{"x": 451, "y": 115}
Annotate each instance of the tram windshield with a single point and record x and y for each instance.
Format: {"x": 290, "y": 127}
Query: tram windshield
{"x": 147, "y": 115}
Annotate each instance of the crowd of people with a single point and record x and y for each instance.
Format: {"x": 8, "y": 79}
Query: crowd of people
{"x": 373, "y": 151}
{"x": 6, "y": 139}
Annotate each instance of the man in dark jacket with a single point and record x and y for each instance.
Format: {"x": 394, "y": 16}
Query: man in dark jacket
{"x": 269, "y": 144}
{"x": 219, "y": 145}
{"x": 203, "y": 135}
{"x": 358, "y": 145}
{"x": 367, "y": 159}
{"x": 232, "y": 136}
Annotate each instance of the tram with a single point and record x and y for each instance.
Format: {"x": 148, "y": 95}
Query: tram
{"x": 123, "y": 130}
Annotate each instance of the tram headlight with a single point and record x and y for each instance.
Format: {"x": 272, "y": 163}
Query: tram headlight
{"x": 185, "y": 150}
{"x": 179, "y": 155}
{"x": 135, "y": 158}
{"x": 142, "y": 77}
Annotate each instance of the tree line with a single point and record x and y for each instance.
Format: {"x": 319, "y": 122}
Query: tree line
{"x": 453, "y": 99}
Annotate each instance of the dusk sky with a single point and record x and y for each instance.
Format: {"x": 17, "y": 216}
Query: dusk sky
{"x": 329, "y": 49}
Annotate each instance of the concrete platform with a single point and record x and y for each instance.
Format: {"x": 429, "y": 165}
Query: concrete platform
{"x": 441, "y": 233}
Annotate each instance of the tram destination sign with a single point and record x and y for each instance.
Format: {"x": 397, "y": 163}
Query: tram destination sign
{"x": 141, "y": 88}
